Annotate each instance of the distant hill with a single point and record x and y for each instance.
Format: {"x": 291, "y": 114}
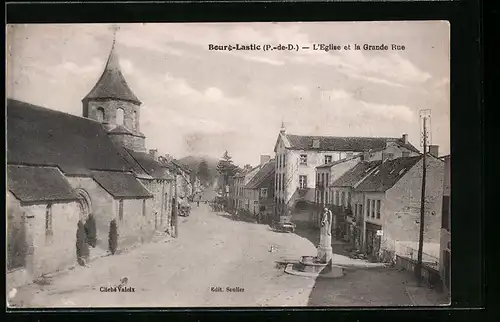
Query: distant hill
{"x": 194, "y": 161}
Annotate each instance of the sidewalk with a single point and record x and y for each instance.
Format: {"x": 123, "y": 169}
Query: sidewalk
{"x": 424, "y": 296}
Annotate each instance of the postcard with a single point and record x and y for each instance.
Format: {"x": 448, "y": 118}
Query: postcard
{"x": 228, "y": 164}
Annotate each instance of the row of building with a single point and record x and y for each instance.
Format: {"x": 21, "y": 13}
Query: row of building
{"x": 371, "y": 184}
{"x": 63, "y": 169}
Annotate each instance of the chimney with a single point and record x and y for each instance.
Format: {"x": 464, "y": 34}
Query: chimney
{"x": 153, "y": 153}
{"x": 434, "y": 150}
{"x": 404, "y": 138}
{"x": 264, "y": 159}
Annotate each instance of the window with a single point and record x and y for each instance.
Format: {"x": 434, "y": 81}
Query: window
{"x": 327, "y": 180}
{"x": 48, "y": 221}
{"x": 120, "y": 209}
{"x": 342, "y": 199}
{"x": 283, "y": 182}
{"x": 328, "y": 159}
{"x": 406, "y": 154}
{"x": 445, "y": 219}
{"x": 360, "y": 209}
{"x": 134, "y": 120}
{"x": 166, "y": 201}
{"x": 348, "y": 198}
{"x": 119, "y": 116}
{"x": 368, "y": 206}
{"x": 322, "y": 178}
{"x": 302, "y": 182}
{"x": 284, "y": 160}
{"x": 356, "y": 209}
{"x": 337, "y": 198}
{"x": 317, "y": 177}
{"x": 263, "y": 192}
{"x": 256, "y": 202}
{"x": 326, "y": 196}
{"x": 372, "y": 208}
{"x": 144, "y": 208}
{"x": 303, "y": 159}
{"x": 378, "y": 209}
{"x": 100, "y": 114}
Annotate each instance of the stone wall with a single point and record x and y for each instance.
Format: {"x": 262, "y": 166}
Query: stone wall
{"x": 401, "y": 209}
{"x": 110, "y": 107}
{"x": 129, "y": 141}
{"x": 48, "y": 253}
{"x": 102, "y": 206}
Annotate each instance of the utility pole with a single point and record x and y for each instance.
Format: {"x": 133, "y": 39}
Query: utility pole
{"x": 425, "y": 115}
{"x": 175, "y": 209}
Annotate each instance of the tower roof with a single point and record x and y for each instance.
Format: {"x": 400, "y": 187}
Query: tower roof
{"x": 112, "y": 84}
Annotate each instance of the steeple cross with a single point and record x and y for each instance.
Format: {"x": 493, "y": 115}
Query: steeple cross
{"x": 114, "y": 28}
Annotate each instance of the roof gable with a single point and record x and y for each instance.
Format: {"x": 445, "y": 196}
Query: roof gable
{"x": 266, "y": 170}
{"x": 40, "y": 136}
{"x": 388, "y": 174}
{"x": 121, "y": 185}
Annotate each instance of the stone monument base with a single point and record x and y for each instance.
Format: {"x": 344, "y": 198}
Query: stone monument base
{"x": 325, "y": 254}
{"x": 310, "y": 266}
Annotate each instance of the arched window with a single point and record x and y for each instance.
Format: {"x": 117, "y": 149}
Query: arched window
{"x": 119, "y": 116}
{"x": 134, "y": 120}
{"x": 100, "y": 114}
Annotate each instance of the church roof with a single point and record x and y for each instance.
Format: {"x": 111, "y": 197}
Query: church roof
{"x": 41, "y": 136}
{"x": 38, "y": 184}
{"x": 152, "y": 167}
{"x": 112, "y": 84}
{"x": 121, "y": 184}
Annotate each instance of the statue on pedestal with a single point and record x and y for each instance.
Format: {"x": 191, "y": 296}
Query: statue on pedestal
{"x": 325, "y": 238}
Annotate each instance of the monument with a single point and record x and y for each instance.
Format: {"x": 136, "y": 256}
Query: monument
{"x": 325, "y": 239}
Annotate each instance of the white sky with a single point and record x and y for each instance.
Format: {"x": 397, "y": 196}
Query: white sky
{"x": 202, "y": 102}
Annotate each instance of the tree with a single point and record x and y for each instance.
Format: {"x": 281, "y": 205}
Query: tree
{"x": 82, "y": 247}
{"x": 203, "y": 172}
{"x": 90, "y": 231}
{"x": 113, "y": 237}
{"x": 226, "y": 168}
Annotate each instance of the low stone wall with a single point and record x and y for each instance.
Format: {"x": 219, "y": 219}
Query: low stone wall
{"x": 429, "y": 275}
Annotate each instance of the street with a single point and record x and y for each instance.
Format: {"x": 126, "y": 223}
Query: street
{"x": 215, "y": 262}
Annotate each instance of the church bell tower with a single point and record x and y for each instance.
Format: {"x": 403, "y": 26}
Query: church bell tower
{"x": 112, "y": 102}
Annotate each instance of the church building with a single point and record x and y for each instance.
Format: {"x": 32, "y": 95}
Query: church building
{"x": 93, "y": 171}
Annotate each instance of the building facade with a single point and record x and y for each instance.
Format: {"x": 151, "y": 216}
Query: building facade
{"x": 297, "y": 157}
{"x": 259, "y": 191}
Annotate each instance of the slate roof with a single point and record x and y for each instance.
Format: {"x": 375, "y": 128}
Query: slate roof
{"x": 335, "y": 143}
{"x": 32, "y": 184}
{"x": 120, "y": 129}
{"x": 387, "y": 174}
{"x": 121, "y": 184}
{"x": 149, "y": 165}
{"x": 112, "y": 84}
{"x": 41, "y": 136}
{"x": 266, "y": 170}
{"x": 136, "y": 167}
{"x": 356, "y": 174}
{"x": 331, "y": 164}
